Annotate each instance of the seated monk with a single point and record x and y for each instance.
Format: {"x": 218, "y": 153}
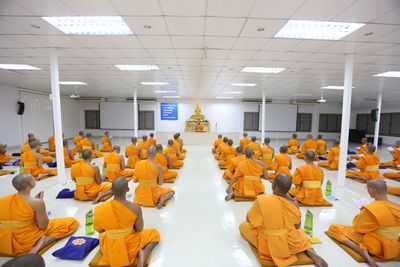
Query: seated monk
{"x": 321, "y": 149}
{"x": 152, "y": 141}
{"x": 106, "y": 142}
{"x": 143, "y": 146}
{"x": 216, "y": 143}
{"x": 227, "y": 154}
{"x": 173, "y": 154}
{"x": 165, "y": 162}
{"x": 77, "y": 141}
{"x": 393, "y": 190}
{"x": 178, "y": 145}
{"x": 199, "y": 127}
{"x": 88, "y": 144}
{"x": 220, "y": 148}
{"x": 31, "y": 136}
{"x": 115, "y": 165}
{"x": 375, "y": 229}
{"x": 368, "y": 165}
{"x": 89, "y": 180}
{"x": 132, "y": 153}
{"x": 120, "y": 226}
{"x": 273, "y": 226}
{"x": 255, "y": 147}
{"x": 244, "y": 141}
{"x": 69, "y": 156}
{"x": 150, "y": 176}
{"x": 362, "y": 150}
{"x": 396, "y": 157}
{"x": 180, "y": 140}
{"x": 308, "y": 145}
{"x": 332, "y": 162}
{"x": 7, "y": 158}
{"x": 233, "y": 163}
{"x": 293, "y": 145}
{"x": 308, "y": 180}
{"x": 52, "y": 143}
{"x": 47, "y": 155}
{"x": 24, "y": 225}
{"x": 281, "y": 163}
{"x": 33, "y": 161}
{"x": 267, "y": 154}
{"x": 247, "y": 177}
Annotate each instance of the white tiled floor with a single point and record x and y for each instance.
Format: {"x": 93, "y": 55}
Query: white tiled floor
{"x": 198, "y": 228}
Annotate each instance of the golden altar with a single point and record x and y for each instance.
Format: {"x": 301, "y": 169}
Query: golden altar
{"x": 195, "y": 120}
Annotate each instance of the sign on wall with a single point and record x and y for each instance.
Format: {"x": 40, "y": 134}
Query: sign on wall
{"x": 169, "y": 111}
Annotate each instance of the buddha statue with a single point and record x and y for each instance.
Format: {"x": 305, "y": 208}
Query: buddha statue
{"x": 197, "y": 115}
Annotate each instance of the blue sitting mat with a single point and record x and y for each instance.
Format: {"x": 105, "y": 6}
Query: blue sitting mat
{"x": 350, "y": 165}
{"x": 66, "y": 193}
{"x": 16, "y": 154}
{"x": 349, "y": 152}
{"x": 12, "y": 162}
{"x": 52, "y": 164}
{"x": 382, "y": 167}
{"x": 322, "y": 158}
{"x": 77, "y": 248}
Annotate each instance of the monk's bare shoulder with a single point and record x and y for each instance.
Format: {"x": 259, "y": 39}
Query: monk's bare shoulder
{"x": 135, "y": 208}
{"x": 35, "y": 203}
{"x": 259, "y": 162}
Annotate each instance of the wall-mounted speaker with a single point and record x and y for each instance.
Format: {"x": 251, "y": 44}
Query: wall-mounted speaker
{"x": 21, "y": 108}
{"x": 374, "y": 116}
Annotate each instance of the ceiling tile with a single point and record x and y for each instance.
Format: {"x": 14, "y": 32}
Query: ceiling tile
{"x": 364, "y": 34}
{"x": 294, "y": 56}
{"x": 137, "y": 7}
{"x": 268, "y": 55}
{"x": 188, "y": 53}
{"x": 391, "y": 17}
{"x": 321, "y": 10}
{"x": 46, "y": 7}
{"x": 107, "y": 53}
{"x": 229, "y": 8}
{"x": 250, "y": 43}
{"x": 93, "y": 41}
{"x": 124, "y": 41}
{"x": 217, "y": 54}
{"x": 392, "y": 37}
{"x": 10, "y": 28}
{"x": 242, "y": 54}
{"x": 393, "y": 50}
{"x": 311, "y": 45}
{"x": 183, "y": 7}
{"x": 136, "y": 24}
{"x": 8, "y": 43}
{"x": 262, "y": 28}
{"x": 185, "y": 25}
{"x": 91, "y": 7}
{"x": 11, "y": 8}
{"x": 187, "y": 41}
{"x": 219, "y": 42}
{"x": 156, "y": 41}
{"x": 372, "y": 48}
{"x": 282, "y": 9}
{"x": 281, "y": 44}
{"x": 60, "y": 41}
{"x": 161, "y": 53}
{"x": 223, "y": 26}
{"x": 28, "y": 40}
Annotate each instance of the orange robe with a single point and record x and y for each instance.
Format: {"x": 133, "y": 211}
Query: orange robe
{"x": 309, "y": 179}
{"x": 5, "y": 158}
{"x": 216, "y": 143}
{"x": 68, "y": 160}
{"x": 120, "y": 243}
{"x": 78, "y": 147}
{"x": 86, "y": 186}
{"x": 148, "y": 192}
{"x": 271, "y": 229}
{"x": 396, "y": 158}
{"x": 280, "y": 164}
{"x": 230, "y": 170}
{"x": 369, "y": 167}
{"x": 46, "y": 158}
{"x": 228, "y": 153}
{"x": 30, "y": 162}
{"x": 132, "y": 153}
{"x": 256, "y": 148}
{"x": 106, "y": 147}
{"x": 199, "y": 128}
{"x": 162, "y": 160}
{"x": 112, "y": 163}
{"x": 392, "y": 190}
{"x": 267, "y": 154}
{"x": 293, "y": 146}
{"x": 172, "y": 154}
{"x": 249, "y": 182}
{"x": 392, "y": 175}
{"x": 87, "y": 144}
{"x": 143, "y": 146}
{"x": 361, "y": 151}
{"x": 376, "y": 228}
{"x": 180, "y": 140}
{"x": 219, "y": 150}
{"x": 321, "y": 149}
{"x": 244, "y": 142}
{"x": 178, "y": 146}
{"x": 332, "y": 162}
{"x": 19, "y": 232}
{"x": 307, "y": 146}
{"x": 52, "y": 143}
{"x": 152, "y": 141}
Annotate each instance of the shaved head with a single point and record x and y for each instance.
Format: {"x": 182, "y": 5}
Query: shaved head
{"x": 371, "y": 148}
{"x": 377, "y": 186}
{"x": 116, "y": 148}
{"x": 81, "y": 133}
{"x": 282, "y": 183}
{"x": 225, "y": 139}
{"x": 33, "y": 144}
{"x": 309, "y": 156}
{"x": 87, "y": 154}
{"x": 294, "y": 136}
{"x": 219, "y": 136}
{"x": 88, "y": 135}
{"x": 239, "y": 150}
{"x": 230, "y": 142}
{"x": 176, "y": 136}
{"x": 397, "y": 144}
{"x": 249, "y": 152}
{"x": 134, "y": 140}
{"x": 21, "y": 181}
{"x": 120, "y": 187}
{"x": 364, "y": 140}
{"x": 151, "y": 152}
{"x": 28, "y": 260}
{"x": 151, "y": 134}
{"x": 283, "y": 149}
{"x": 159, "y": 147}
{"x": 320, "y": 136}
{"x": 65, "y": 142}
{"x": 267, "y": 140}
{"x": 3, "y": 149}
{"x": 144, "y": 137}
{"x": 30, "y": 136}
{"x": 309, "y": 136}
{"x": 245, "y": 134}
{"x": 107, "y": 133}
{"x": 170, "y": 142}
{"x": 253, "y": 139}
{"x": 336, "y": 142}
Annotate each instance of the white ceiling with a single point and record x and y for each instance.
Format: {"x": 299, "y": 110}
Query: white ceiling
{"x": 180, "y": 29}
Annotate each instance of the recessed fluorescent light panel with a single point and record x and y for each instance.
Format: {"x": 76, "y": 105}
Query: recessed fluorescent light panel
{"x": 17, "y": 67}
{"x": 262, "y": 70}
{"x": 319, "y": 30}
{"x": 234, "y": 93}
{"x": 162, "y": 92}
{"x": 334, "y": 87}
{"x": 244, "y": 84}
{"x": 154, "y": 83}
{"x": 83, "y": 25}
{"x": 171, "y": 96}
{"x": 224, "y": 97}
{"x": 137, "y": 67}
{"x": 395, "y": 74}
{"x": 72, "y": 83}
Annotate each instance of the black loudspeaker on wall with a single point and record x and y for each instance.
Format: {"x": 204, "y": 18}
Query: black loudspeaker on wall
{"x": 21, "y": 108}
{"x": 373, "y": 115}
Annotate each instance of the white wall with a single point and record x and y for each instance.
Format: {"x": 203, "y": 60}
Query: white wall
{"x": 10, "y": 133}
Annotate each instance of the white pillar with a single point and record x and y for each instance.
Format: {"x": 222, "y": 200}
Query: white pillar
{"x": 263, "y": 117}
{"x": 135, "y": 112}
{"x": 346, "y": 108}
{"x": 55, "y": 99}
{"x": 378, "y": 116}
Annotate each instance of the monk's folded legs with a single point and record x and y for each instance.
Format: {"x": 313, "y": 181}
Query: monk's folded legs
{"x": 318, "y": 261}
{"x": 101, "y": 195}
{"x": 164, "y": 198}
{"x": 42, "y": 242}
{"x": 144, "y": 253}
{"x": 245, "y": 230}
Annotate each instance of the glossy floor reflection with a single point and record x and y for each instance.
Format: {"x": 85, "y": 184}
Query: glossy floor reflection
{"x": 198, "y": 228}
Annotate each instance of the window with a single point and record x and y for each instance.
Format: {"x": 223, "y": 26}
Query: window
{"x": 146, "y": 120}
{"x": 92, "y": 119}
{"x": 389, "y": 124}
{"x": 394, "y": 124}
{"x": 250, "y": 122}
{"x": 384, "y": 125}
{"x": 330, "y": 123}
{"x": 365, "y": 123}
{"x": 304, "y": 122}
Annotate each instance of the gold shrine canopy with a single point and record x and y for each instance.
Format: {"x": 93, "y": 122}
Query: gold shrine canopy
{"x": 196, "y": 118}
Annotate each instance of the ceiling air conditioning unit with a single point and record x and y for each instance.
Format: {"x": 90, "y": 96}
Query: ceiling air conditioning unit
{"x": 142, "y": 99}
{"x": 93, "y": 99}
{"x": 255, "y": 100}
{"x": 304, "y": 102}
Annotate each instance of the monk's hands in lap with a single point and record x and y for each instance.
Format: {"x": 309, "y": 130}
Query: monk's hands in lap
{"x": 40, "y": 195}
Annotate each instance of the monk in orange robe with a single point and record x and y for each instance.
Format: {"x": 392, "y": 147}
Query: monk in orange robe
{"x": 281, "y": 163}
{"x": 375, "y": 229}
{"x": 247, "y": 177}
{"x": 332, "y": 162}
{"x": 77, "y": 141}
{"x": 321, "y": 149}
{"x": 180, "y": 140}
{"x": 115, "y": 165}
{"x": 227, "y": 154}
{"x": 308, "y": 145}
{"x": 233, "y": 163}
{"x": 368, "y": 165}
{"x": 199, "y": 127}
{"x": 267, "y": 153}
{"x": 88, "y": 144}
{"x": 143, "y": 146}
{"x": 132, "y": 153}
{"x": 24, "y": 225}
{"x": 216, "y": 143}
{"x": 178, "y": 146}
{"x": 173, "y": 154}
{"x": 293, "y": 145}
{"x": 150, "y": 176}
{"x": 220, "y": 148}
{"x": 255, "y": 147}
{"x": 47, "y": 155}
{"x": 152, "y": 141}
{"x": 308, "y": 180}
{"x": 362, "y": 149}
{"x": 31, "y": 136}
{"x": 393, "y": 190}
{"x": 244, "y": 141}
{"x": 69, "y": 155}
{"x": 273, "y": 226}
{"x": 33, "y": 161}
{"x": 52, "y": 143}
{"x": 89, "y": 182}
{"x": 165, "y": 162}
{"x": 120, "y": 226}
{"x": 106, "y": 142}
{"x": 6, "y": 158}
{"x": 396, "y": 157}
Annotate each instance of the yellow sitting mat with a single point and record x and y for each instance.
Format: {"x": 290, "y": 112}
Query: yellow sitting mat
{"x": 95, "y": 261}
{"x": 325, "y": 204}
{"x": 41, "y": 252}
{"x": 357, "y": 180}
{"x": 45, "y": 177}
{"x": 126, "y": 178}
{"x": 92, "y": 199}
{"x": 357, "y": 256}
{"x": 4, "y": 172}
{"x": 170, "y": 181}
{"x": 240, "y": 198}
{"x": 302, "y": 258}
